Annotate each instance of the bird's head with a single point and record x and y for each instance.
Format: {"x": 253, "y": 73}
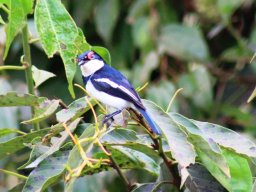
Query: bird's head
{"x": 86, "y": 57}
{"x": 89, "y": 62}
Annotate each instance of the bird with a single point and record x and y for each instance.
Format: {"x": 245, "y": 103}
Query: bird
{"x": 110, "y": 87}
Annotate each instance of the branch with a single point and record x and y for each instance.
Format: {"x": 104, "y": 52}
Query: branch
{"x": 120, "y": 173}
{"x": 158, "y": 146}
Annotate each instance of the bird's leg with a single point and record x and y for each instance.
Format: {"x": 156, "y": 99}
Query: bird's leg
{"x": 110, "y": 117}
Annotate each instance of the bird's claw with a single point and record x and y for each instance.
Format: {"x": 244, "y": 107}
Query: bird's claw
{"x": 107, "y": 120}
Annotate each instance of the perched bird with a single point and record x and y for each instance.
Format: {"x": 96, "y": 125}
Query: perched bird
{"x": 110, "y": 87}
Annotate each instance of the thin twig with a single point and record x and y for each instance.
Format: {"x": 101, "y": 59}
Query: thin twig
{"x": 14, "y": 174}
{"x": 172, "y": 99}
{"x": 120, "y": 173}
{"x": 11, "y": 67}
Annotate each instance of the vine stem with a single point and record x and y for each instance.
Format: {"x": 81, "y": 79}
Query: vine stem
{"x": 28, "y": 65}
{"x": 10, "y": 67}
{"x": 14, "y": 174}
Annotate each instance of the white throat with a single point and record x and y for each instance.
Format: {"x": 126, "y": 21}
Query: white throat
{"x": 91, "y": 67}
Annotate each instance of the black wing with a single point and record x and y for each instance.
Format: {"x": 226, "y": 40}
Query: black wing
{"x": 112, "y": 82}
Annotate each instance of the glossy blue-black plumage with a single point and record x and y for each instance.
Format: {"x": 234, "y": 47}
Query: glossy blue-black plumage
{"x": 112, "y": 75}
{"x": 107, "y": 72}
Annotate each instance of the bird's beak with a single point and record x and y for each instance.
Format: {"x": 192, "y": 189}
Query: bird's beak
{"x": 80, "y": 62}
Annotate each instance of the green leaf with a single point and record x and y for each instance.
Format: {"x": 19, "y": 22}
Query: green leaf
{"x": 4, "y": 132}
{"x": 75, "y": 110}
{"x": 103, "y": 52}
{"x": 137, "y": 9}
{"x": 140, "y": 33}
{"x": 14, "y": 99}
{"x": 40, "y": 76}
{"x": 56, "y": 144}
{"x": 128, "y": 138}
{"x": 183, "y": 42}
{"x": 18, "y": 11}
{"x": 43, "y": 107}
{"x": 241, "y": 178}
{"x": 144, "y": 187}
{"x": 17, "y": 188}
{"x": 59, "y": 33}
{"x": 227, "y": 138}
{"x": 128, "y": 159}
{"x": 106, "y": 18}
{"x": 181, "y": 149}
{"x": 217, "y": 158}
{"x": 201, "y": 94}
{"x": 227, "y": 8}
{"x": 38, "y": 149}
{"x": 17, "y": 143}
{"x": 201, "y": 180}
{"x": 47, "y": 172}
{"x": 213, "y": 134}
{"x": 43, "y": 111}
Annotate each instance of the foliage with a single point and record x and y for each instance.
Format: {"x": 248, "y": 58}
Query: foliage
{"x": 161, "y": 46}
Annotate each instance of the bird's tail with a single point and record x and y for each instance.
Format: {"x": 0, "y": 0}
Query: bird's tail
{"x": 150, "y": 121}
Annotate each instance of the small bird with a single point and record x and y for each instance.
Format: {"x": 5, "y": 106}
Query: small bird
{"x": 110, "y": 87}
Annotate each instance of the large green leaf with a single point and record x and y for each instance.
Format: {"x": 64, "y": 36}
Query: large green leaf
{"x": 38, "y": 149}
{"x": 127, "y": 159}
{"x": 74, "y": 110}
{"x": 129, "y": 139}
{"x": 200, "y": 180}
{"x": 240, "y": 174}
{"x": 106, "y": 17}
{"x": 59, "y": 33}
{"x": 43, "y": 107}
{"x": 56, "y": 144}
{"x": 14, "y": 99}
{"x": 181, "y": 149}
{"x": 18, "y": 11}
{"x": 217, "y": 158}
{"x": 213, "y": 134}
{"x": 44, "y": 110}
{"x": 183, "y": 42}
{"x": 227, "y": 138}
{"x": 47, "y": 172}
{"x": 17, "y": 143}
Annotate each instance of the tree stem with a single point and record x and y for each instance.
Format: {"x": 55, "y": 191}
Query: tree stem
{"x": 28, "y": 66}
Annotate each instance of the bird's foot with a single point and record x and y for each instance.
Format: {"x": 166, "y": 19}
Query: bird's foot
{"x": 107, "y": 120}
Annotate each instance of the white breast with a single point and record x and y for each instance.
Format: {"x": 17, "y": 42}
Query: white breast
{"x": 105, "y": 98}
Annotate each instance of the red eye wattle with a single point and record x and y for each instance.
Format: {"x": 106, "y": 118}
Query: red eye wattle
{"x": 90, "y": 55}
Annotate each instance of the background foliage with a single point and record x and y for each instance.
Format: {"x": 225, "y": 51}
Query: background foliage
{"x": 202, "y": 46}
